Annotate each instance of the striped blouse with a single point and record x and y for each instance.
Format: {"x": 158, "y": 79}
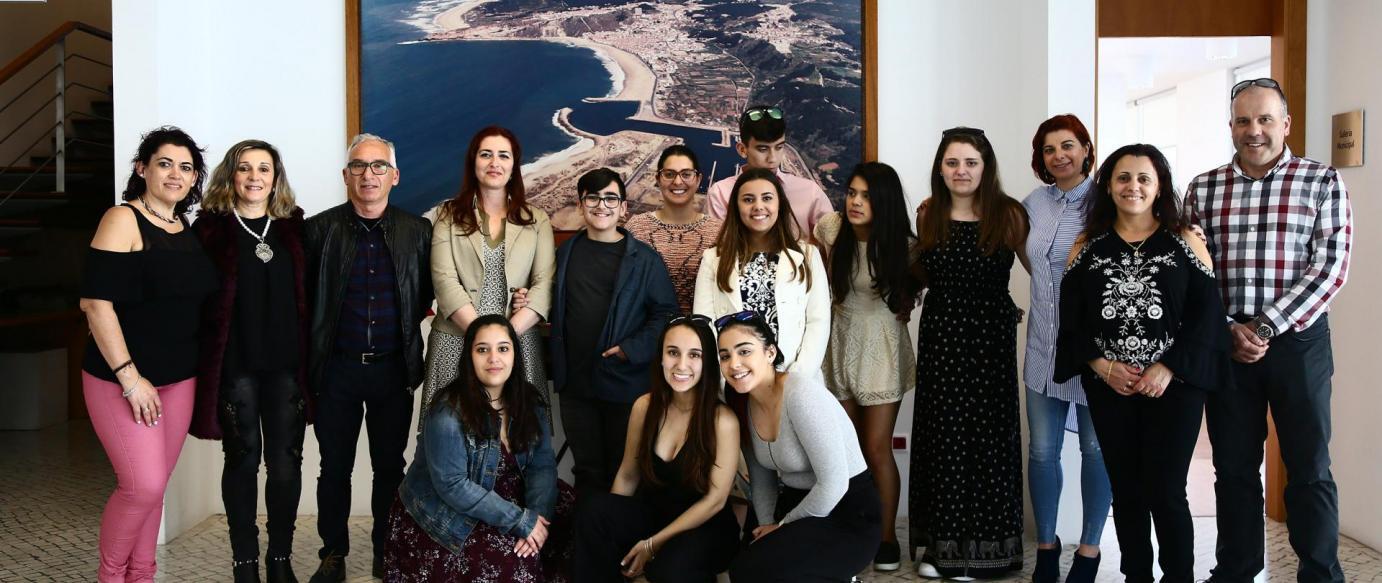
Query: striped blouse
{"x": 1057, "y": 218}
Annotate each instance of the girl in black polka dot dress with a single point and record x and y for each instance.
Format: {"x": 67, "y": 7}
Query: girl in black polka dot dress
{"x": 965, "y": 502}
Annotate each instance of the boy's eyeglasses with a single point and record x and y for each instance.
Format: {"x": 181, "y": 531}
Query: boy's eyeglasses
{"x": 591, "y": 201}
{"x": 758, "y": 113}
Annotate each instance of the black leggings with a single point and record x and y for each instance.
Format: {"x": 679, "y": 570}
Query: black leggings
{"x": 1148, "y": 444}
{"x": 831, "y": 548}
{"x": 245, "y": 402}
{"x": 608, "y": 525}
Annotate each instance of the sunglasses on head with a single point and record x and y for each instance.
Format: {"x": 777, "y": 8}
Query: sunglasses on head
{"x": 743, "y": 316}
{"x": 1265, "y": 82}
{"x": 963, "y": 131}
{"x": 757, "y": 113}
{"x": 690, "y": 319}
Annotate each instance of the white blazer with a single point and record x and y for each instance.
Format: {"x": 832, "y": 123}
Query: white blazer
{"x": 803, "y": 316}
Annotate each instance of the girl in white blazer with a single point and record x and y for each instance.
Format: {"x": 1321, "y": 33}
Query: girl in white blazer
{"x": 756, "y": 229}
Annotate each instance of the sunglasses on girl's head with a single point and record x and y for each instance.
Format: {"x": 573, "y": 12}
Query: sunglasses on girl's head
{"x": 691, "y": 318}
{"x": 963, "y": 131}
{"x": 743, "y": 316}
{"x": 757, "y": 113}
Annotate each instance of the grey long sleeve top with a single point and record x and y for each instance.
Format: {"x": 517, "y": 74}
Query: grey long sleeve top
{"x": 816, "y": 450}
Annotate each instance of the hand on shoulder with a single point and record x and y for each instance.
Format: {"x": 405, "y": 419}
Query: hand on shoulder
{"x": 1195, "y": 239}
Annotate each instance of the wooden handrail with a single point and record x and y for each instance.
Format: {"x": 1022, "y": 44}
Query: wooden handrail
{"x": 47, "y": 42}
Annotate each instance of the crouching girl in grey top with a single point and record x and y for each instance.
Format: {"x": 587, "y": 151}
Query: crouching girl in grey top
{"x": 815, "y": 500}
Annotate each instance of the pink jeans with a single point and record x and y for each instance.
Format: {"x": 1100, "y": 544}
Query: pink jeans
{"x": 143, "y": 458}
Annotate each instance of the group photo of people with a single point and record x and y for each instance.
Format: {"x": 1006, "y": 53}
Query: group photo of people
{"x": 219, "y": 309}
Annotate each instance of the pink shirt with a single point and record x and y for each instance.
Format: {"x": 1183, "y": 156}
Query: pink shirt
{"x": 808, "y": 201}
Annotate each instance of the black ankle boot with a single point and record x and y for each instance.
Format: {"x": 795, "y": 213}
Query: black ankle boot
{"x": 280, "y": 570}
{"x": 246, "y": 571}
{"x": 1083, "y": 569}
{"x": 1047, "y": 565}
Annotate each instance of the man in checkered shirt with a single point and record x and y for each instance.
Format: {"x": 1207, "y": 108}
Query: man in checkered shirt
{"x": 1278, "y": 228}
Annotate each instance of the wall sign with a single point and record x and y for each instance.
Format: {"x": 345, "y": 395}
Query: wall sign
{"x": 1347, "y": 139}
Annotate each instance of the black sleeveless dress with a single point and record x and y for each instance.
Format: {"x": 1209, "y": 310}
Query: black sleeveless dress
{"x": 966, "y": 471}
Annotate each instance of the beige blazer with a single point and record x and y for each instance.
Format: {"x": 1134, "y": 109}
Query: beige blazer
{"x": 803, "y": 316}
{"x": 458, "y": 266}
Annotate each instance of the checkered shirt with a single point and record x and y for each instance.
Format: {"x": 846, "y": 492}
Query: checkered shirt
{"x": 1280, "y": 243}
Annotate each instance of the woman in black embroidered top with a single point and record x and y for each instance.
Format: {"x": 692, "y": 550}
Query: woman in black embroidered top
{"x": 1142, "y": 323}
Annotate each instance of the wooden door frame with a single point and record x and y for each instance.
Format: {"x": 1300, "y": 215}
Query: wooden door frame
{"x": 1284, "y": 22}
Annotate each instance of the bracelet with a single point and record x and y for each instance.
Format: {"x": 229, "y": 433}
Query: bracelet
{"x": 1109, "y": 372}
{"x": 648, "y": 548}
{"x": 125, "y": 393}
{"x": 122, "y": 366}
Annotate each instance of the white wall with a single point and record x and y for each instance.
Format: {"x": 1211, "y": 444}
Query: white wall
{"x": 226, "y": 72}
{"x": 1342, "y": 76}
{"x": 1202, "y": 138}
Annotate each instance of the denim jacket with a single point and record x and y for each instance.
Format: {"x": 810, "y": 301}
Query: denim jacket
{"x": 450, "y": 486}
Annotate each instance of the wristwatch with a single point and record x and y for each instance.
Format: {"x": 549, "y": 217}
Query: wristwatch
{"x": 1263, "y": 328}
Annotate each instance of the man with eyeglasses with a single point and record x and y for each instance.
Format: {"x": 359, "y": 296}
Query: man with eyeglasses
{"x": 612, "y": 297}
{"x": 763, "y": 144}
{"x": 1279, "y": 229}
{"x": 369, "y": 287}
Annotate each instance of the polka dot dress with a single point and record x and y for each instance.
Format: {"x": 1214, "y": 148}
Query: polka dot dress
{"x": 966, "y": 471}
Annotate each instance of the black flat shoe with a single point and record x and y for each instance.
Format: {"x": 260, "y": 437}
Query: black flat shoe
{"x": 1083, "y": 569}
{"x": 1047, "y": 565}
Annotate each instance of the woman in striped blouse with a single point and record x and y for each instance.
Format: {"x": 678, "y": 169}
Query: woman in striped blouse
{"x": 1063, "y": 158}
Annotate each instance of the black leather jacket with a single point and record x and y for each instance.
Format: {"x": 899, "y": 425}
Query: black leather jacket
{"x": 330, "y": 238}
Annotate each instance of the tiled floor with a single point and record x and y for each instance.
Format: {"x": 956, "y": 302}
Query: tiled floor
{"x": 53, "y": 484}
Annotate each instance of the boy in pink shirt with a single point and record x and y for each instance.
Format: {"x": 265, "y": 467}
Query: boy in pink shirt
{"x": 763, "y": 144}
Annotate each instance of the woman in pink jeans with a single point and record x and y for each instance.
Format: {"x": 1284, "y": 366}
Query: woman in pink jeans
{"x": 146, "y": 276}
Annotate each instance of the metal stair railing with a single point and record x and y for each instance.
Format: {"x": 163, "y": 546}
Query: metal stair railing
{"x": 56, "y": 41}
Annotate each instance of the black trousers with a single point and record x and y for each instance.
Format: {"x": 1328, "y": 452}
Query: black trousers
{"x": 248, "y": 403}
{"x": 834, "y": 547}
{"x": 609, "y": 525}
{"x": 1293, "y": 379}
{"x": 352, "y": 392}
{"x": 1148, "y": 444}
{"x": 595, "y": 430}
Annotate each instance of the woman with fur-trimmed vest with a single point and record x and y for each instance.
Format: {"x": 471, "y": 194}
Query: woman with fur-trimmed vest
{"x": 253, "y": 364}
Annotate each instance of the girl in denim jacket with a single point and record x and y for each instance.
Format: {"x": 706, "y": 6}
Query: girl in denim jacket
{"x": 480, "y": 499}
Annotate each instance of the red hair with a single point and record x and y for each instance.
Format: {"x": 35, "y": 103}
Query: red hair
{"x": 461, "y": 208}
{"x": 1065, "y": 121}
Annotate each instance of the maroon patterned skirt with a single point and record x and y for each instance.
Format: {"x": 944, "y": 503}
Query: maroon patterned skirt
{"x": 487, "y": 555}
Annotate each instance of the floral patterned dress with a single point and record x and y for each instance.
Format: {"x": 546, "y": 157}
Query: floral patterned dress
{"x": 487, "y": 555}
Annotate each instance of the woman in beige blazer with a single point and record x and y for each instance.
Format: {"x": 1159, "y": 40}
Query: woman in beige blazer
{"x": 486, "y": 243}
{"x": 758, "y": 265}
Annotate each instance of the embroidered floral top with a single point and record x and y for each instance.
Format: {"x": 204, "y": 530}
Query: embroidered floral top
{"x": 1140, "y": 303}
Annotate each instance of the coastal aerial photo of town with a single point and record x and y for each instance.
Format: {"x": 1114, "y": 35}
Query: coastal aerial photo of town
{"x": 590, "y": 83}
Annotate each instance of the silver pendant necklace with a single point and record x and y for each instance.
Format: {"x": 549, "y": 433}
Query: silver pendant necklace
{"x": 262, "y": 250}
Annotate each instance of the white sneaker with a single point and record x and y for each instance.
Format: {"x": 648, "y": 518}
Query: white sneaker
{"x": 927, "y": 570}
{"x": 962, "y": 578}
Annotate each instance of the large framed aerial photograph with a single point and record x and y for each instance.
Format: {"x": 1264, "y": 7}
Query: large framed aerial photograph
{"x": 590, "y": 83}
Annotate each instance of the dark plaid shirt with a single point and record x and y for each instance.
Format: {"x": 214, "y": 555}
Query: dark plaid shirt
{"x": 369, "y": 311}
{"x": 1280, "y": 243}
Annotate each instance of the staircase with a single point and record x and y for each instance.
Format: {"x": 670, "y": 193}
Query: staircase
{"x": 56, "y": 180}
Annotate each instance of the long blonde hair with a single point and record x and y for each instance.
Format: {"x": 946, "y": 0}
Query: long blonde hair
{"x": 220, "y": 194}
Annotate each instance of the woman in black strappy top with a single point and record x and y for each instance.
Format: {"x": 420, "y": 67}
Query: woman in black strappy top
{"x": 145, "y": 278}
{"x": 666, "y": 516}
{"x": 1142, "y": 323}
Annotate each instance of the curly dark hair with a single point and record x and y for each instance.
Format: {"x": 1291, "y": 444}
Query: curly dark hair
{"x": 149, "y": 143}
{"x": 1166, "y": 208}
